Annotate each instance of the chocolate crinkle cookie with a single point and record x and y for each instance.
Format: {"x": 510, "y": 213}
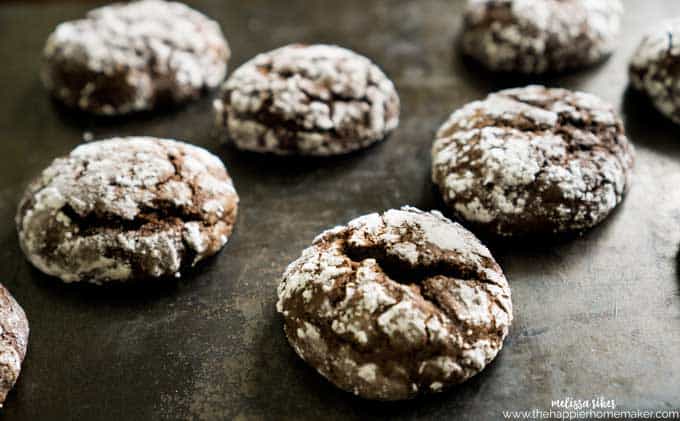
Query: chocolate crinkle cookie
{"x": 13, "y": 341}
{"x": 533, "y": 160}
{"x": 129, "y": 57}
{"x": 307, "y": 100}
{"x": 655, "y": 68}
{"x": 539, "y": 36}
{"x": 395, "y": 305}
{"x": 127, "y": 208}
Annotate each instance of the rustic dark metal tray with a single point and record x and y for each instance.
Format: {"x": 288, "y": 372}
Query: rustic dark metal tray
{"x": 597, "y": 315}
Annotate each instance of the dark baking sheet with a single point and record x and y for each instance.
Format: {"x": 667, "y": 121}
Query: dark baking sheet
{"x": 594, "y": 316}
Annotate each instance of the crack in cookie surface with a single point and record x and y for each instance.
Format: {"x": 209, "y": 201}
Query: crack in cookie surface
{"x": 127, "y": 208}
{"x": 396, "y": 304}
{"x": 533, "y": 160}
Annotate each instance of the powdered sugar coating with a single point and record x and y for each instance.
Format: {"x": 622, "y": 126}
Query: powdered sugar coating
{"x": 308, "y": 100}
{"x": 533, "y": 160}
{"x": 127, "y": 208}
{"x": 396, "y": 304}
{"x": 655, "y": 70}
{"x": 132, "y": 56}
{"x": 13, "y": 341}
{"x": 538, "y": 36}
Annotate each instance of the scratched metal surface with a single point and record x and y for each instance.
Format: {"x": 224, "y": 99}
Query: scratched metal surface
{"x": 597, "y": 315}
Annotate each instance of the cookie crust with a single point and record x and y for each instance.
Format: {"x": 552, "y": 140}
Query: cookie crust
{"x": 533, "y": 161}
{"x": 128, "y": 57}
{"x": 540, "y": 36}
{"x": 127, "y": 208}
{"x": 13, "y": 341}
{"x": 307, "y": 100}
{"x": 394, "y": 305}
{"x": 655, "y": 68}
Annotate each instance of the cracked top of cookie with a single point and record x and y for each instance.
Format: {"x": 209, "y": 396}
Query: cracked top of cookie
{"x": 127, "y": 208}
{"x": 316, "y": 99}
{"x": 536, "y": 36}
{"x": 13, "y": 341}
{"x": 654, "y": 68}
{"x": 141, "y": 49}
{"x": 396, "y": 304}
{"x": 533, "y": 160}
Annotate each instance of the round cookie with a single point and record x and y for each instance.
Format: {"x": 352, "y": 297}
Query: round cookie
{"x": 394, "y": 305}
{"x": 135, "y": 56}
{"x": 655, "y": 68}
{"x": 13, "y": 341}
{"x": 127, "y": 208}
{"x": 539, "y": 36}
{"x": 533, "y": 160}
{"x": 307, "y": 100}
